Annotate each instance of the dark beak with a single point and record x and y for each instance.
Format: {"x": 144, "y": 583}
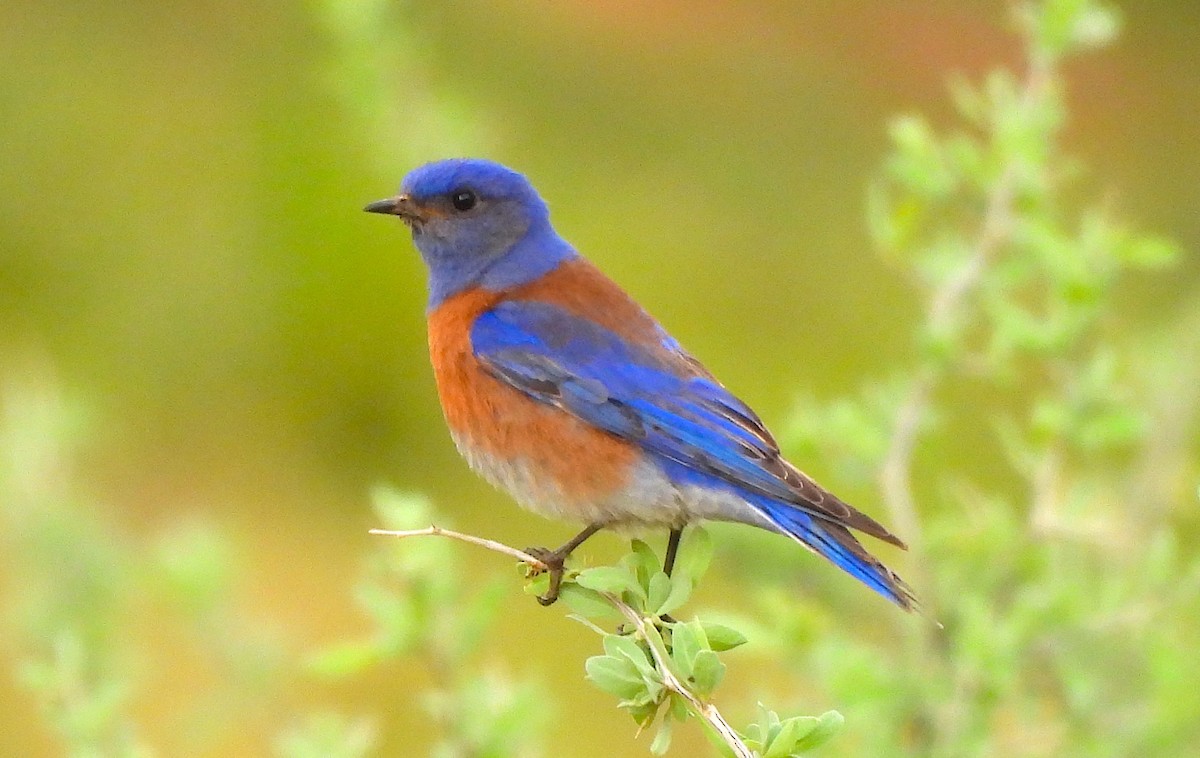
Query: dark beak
{"x": 400, "y": 205}
{"x": 390, "y": 206}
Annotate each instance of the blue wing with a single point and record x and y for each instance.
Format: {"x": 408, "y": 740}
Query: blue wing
{"x": 660, "y": 398}
{"x": 656, "y": 398}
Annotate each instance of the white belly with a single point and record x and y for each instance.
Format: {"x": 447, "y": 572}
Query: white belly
{"x": 648, "y": 498}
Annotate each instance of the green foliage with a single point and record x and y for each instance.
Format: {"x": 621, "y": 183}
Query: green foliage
{"x": 639, "y": 582}
{"x": 378, "y": 54}
{"x": 83, "y": 583}
{"x": 327, "y": 735}
{"x": 1062, "y": 581}
{"x": 773, "y": 737}
{"x": 667, "y": 670}
{"x": 85, "y": 705}
{"x": 414, "y": 594}
{"x": 88, "y": 664}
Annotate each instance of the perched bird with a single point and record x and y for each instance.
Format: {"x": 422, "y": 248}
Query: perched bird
{"x": 561, "y": 390}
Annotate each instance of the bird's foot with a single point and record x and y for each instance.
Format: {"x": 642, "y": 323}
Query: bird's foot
{"x": 554, "y": 561}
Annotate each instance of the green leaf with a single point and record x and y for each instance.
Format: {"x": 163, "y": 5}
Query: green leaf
{"x": 756, "y": 733}
{"x": 918, "y": 163}
{"x": 662, "y": 740}
{"x": 196, "y": 564}
{"x": 587, "y": 603}
{"x": 829, "y": 724}
{"x": 616, "y": 676}
{"x": 770, "y": 721}
{"x": 614, "y": 579}
{"x": 328, "y": 735}
{"x": 660, "y": 589}
{"x": 707, "y": 672}
{"x": 722, "y": 638}
{"x": 694, "y": 556}
{"x": 643, "y": 711}
{"x": 654, "y": 637}
{"x": 1050, "y": 417}
{"x": 1148, "y": 252}
{"x": 790, "y": 732}
{"x": 687, "y": 641}
{"x": 1112, "y": 428}
{"x": 679, "y": 708}
{"x": 680, "y": 589}
{"x": 621, "y": 646}
{"x": 401, "y": 510}
{"x": 642, "y": 561}
{"x": 345, "y": 659}
{"x": 653, "y": 695}
{"x": 1096, "y": 26}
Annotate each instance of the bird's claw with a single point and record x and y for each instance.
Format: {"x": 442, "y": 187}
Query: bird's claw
{"x": 554, "y": 564}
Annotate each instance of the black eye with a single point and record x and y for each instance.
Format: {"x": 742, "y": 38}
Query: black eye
{"x": 463, "y": 199}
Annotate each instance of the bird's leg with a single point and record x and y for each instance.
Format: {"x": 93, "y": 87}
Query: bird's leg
{"x": 669, "y": 561}
{"x": 672, "y": 549}
{"x": 554, "y": 560}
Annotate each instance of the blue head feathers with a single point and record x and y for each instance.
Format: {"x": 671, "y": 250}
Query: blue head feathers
{"x": 476, "y": 223}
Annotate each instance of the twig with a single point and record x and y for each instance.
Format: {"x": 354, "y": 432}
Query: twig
{"x": 437, "y": 531}
{"x": 896, "y": 473}
{"x": 895, "y": 476}
{"x": 706, "y": 711}
{"x": 1044, "y": 485}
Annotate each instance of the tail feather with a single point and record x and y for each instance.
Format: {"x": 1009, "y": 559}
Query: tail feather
{"x": 836, "y": 544}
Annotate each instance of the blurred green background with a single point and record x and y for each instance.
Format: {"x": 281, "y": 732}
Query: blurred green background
{"x": 185, "y": 268}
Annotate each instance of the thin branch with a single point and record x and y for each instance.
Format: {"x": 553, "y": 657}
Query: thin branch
{"x": 437, "y": 531}
{"x": 704, "y": 710}
{"x": 896, "y": 473}
{"x": 1045, "y": 483}
{"x": 895, "y": 476}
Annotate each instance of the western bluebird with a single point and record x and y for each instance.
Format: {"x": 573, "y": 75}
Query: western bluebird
{"x": 561, "y": 390}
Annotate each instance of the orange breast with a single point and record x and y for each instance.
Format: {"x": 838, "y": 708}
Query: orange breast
{"x": 497, "y": 426}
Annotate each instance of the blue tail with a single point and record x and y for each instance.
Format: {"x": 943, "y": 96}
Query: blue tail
{"x": 836, "y": 544}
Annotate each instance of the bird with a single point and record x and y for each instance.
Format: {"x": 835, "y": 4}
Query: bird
{"x": 560, "y": 389}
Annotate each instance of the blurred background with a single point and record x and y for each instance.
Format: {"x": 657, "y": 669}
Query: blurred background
{"x": 198, "y": 325}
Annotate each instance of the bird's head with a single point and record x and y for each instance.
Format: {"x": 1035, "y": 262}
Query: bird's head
{"x": 467, "y": 217}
